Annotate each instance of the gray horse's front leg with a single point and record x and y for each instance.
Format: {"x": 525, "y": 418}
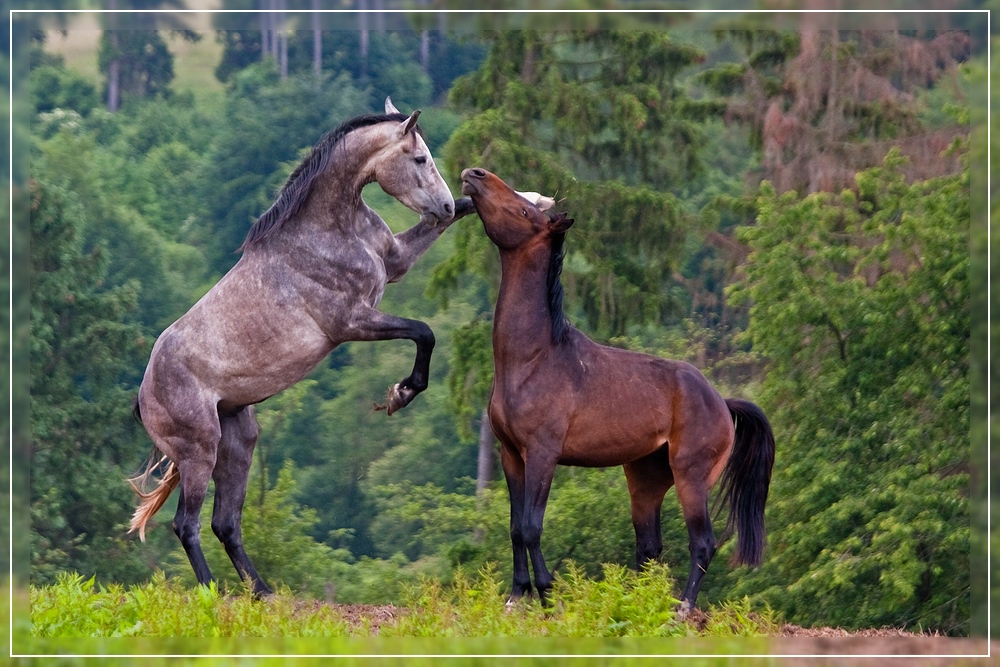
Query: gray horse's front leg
{"x": 408, "y": 246}
{"x": 463, "y": 207}
{"x": 376, "y": 325}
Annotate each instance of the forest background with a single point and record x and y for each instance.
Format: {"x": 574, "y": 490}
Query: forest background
{"x": 784, "y": 205}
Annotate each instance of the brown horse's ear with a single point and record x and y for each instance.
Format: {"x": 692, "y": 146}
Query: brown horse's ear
{"x": 558, "y": 222}
{"x": 407, "y": 125}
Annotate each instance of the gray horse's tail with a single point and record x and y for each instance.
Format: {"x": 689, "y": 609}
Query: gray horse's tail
{"x": 150, "y": 503}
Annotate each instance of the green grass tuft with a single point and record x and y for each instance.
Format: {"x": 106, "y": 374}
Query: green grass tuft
{"x": 74, "y": 607}
{"x": 623, "y": 603}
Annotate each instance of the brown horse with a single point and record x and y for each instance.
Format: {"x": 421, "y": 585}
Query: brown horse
{"x": 560, "y": 398}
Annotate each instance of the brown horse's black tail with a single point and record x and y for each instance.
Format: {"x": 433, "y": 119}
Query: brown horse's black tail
{"x": 745, "y": 481}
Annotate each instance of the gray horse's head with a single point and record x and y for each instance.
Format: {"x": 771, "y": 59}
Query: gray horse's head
{"x": 406, "y": 170}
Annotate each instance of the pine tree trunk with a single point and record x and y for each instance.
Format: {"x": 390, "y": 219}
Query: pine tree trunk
{"x": 425, "y": 50}
{"x": 265, "y": 29}
{"x": 113, "y": 76}
{"x": 484, "y": 471}
{"x": 282, "y": 39}
{"x": 114, "y": 70}
{"x": 363, "y": 26}
{"x": 317, "y": 39}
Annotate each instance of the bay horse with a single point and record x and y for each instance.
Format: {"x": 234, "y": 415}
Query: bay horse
{"x": 560, "y": 398}
{"x": 312, "y": 272}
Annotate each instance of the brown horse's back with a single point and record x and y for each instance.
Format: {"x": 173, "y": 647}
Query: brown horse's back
{"x": 612, "y": 406}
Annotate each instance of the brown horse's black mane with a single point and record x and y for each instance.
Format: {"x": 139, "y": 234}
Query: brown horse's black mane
{"x": 560, "y": 327}
{"x": 298, "y": 186}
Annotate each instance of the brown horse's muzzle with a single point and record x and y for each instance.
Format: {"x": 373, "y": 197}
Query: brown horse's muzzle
{"x": 472, "y": 181}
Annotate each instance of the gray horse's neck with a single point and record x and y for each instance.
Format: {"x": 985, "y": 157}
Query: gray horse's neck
{"x": 337, "y": 192}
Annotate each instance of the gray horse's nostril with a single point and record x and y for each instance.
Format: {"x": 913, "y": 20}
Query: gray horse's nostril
{"x": 448, "y": 209}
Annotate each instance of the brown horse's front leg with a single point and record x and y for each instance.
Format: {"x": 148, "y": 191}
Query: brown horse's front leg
{"x": 513, "y": 472}
{"x": 538, "y": 471}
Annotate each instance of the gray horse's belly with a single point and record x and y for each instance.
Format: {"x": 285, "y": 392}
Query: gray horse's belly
{"x": 245, "y": 362}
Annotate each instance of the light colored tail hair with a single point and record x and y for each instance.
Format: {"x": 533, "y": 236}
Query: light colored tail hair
{"x": 152, "y": 501}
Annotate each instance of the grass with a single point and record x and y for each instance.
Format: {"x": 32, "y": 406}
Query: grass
{"x": 194, "y": 62}
{"x": 621, "y": 604}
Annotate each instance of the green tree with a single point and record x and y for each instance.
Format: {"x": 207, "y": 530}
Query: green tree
{"x": 266, "y": 125}
{"x": 860, "y": 302}
{"x": 52, "y": 86}
{"x": 82, "y": 437}
{"x": 600, "y": 120}
{"x": 133, "y": 56}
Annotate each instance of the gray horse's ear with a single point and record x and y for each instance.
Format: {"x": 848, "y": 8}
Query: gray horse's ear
{"x": 407, "y": 125}
{"x": 389, "y": 106}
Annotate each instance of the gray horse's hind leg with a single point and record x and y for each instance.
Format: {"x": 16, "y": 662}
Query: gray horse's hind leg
{"x": 194, "y": 474}
{"x": 232, "y": 469}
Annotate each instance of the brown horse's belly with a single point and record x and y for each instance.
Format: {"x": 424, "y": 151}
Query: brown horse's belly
{"x": 601, "y": 450}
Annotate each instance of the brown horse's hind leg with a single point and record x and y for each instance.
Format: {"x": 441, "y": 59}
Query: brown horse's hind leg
{"x": 693, "y": 495}
{"x": 232, "y": 469}
{"x": 648, "y": 479}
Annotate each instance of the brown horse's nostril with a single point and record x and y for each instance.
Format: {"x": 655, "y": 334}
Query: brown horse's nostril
{"x": 478, "y": 173}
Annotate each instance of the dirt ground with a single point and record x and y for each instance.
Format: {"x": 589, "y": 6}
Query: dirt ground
{"x": 812, "y": 646}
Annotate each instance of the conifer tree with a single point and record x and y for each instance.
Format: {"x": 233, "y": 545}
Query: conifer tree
{"x": 598, "y": 120}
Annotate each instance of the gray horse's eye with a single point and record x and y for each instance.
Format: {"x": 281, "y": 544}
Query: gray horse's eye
{"x": 420, "y": 159}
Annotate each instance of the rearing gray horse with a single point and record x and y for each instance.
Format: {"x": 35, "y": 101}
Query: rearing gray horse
{"x": 313, "y": 270}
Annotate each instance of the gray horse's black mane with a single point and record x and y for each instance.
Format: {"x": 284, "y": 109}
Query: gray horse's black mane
{"x": 298, "y": 186}
{"x": 560, "y": 327}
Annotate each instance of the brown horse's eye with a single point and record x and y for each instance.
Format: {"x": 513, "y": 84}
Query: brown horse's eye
{"x": 524, "y": 212}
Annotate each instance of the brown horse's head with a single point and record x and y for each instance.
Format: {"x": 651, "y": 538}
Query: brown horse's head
{"x": 510, "y": 218}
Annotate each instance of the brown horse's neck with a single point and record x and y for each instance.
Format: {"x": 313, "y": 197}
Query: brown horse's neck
{"x": 522, "y": 324}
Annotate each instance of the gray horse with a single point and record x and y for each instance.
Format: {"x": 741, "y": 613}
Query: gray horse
{"x": 313, "y": 270}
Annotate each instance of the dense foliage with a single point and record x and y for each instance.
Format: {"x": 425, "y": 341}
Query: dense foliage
{"x": 861, "y": 305}
{"x": 847, "y": 319}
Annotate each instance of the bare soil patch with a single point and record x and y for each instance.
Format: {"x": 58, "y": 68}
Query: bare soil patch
{"x": 834, "y": 646}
